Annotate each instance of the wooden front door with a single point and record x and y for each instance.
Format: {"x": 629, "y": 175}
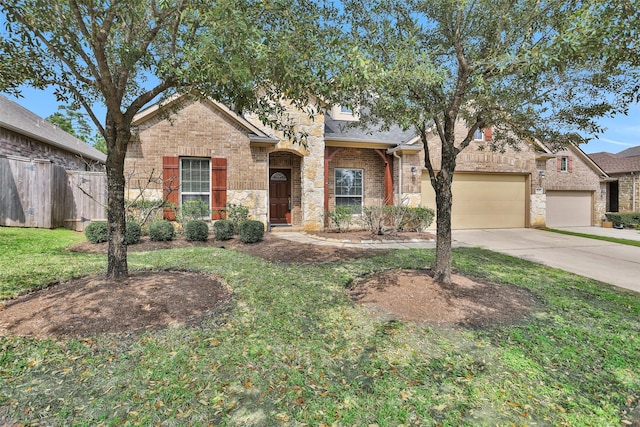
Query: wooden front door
{"x": 280, "y": 196}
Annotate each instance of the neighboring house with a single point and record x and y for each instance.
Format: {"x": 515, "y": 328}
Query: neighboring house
{"x": 24, "y": 134}
{"x": 205, "y": 151}
{"x": 624, "y": 187}
{"x": 48, "y": 178}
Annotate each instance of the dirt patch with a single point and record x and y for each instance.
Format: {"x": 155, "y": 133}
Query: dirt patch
{"x": 91, "y": 305}
{"x": 414, "y": 295}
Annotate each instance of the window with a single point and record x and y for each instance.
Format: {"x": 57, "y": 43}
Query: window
{"x": 478, "y": 135}
{"x": 344, "y": 113}
{"x": 348, "y": 188}
{"x": 564, "y": 164}
{"x": 195, "y": 181}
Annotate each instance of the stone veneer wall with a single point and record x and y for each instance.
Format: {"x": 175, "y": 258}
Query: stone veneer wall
{"x": 311, "y": 163}
{"x": 15, "y": 144}
{"x": 625, "y": 192}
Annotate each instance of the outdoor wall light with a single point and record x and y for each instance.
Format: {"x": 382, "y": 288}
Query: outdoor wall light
{"x": 541, "y": 174}
{"x": 414, "y": 170}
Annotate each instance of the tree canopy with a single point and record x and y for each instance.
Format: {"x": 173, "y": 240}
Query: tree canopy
{"x": 125, "y": 54}
{"x": 442, "y": 65}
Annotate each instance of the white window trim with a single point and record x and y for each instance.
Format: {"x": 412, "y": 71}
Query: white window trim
{"x": 481, "y": 132}
{"x": 336, "y": 196}
{"x": 337, "y": 114}
{"x": 192, "y": 193}
{"x": 564, "y": 164}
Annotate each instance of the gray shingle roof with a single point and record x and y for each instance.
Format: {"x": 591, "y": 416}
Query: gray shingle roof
{"x": 15, "y": 117}
{"x": 615, "y": 163}
{"x": 347, "y": 130}
{"x": 629, "y": 152}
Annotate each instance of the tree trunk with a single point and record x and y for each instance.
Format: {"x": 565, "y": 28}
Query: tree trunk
{"x": 117, "y": 268}
{"x": 444, "y": 199}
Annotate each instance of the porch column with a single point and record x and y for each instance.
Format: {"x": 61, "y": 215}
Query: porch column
{"x": 388, "y": 178}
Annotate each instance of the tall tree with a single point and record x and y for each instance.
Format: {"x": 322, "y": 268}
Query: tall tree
{"x": 442, "y": 65}
{"x": 124, "y": 54}
{"x": 72, "y": 121}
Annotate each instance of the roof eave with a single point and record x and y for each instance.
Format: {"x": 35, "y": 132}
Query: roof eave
{"x": 101, "y": 159}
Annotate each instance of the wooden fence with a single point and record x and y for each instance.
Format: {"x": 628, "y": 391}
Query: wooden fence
{"x": 37, "y": 193}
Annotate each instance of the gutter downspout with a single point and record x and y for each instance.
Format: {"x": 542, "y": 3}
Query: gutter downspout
{"x": 400, "y": 172}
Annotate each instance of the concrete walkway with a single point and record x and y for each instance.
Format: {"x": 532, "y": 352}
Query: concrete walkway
{"x": 611, "y": 263}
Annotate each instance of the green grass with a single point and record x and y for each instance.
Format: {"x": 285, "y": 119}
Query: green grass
{"x": 596, "y": 237}
{"x": 296, "y": 351}
{"x": 32, "y": 257}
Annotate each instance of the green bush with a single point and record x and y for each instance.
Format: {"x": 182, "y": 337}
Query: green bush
{"x": 223, "y": 229}
{"x": 194, "y": 210}
{"x": 196, "y": 231}
{"x": 237, "y": 214}
{"x": 624, "y": 219}
{"x": 161, "y": 231}
{"x": 341, "y": 217}
{"x": 132, "y": 233}
{"x": 97, "y": 232}
{"x": 418, "y": 218}
{"x": 251, "y": 231}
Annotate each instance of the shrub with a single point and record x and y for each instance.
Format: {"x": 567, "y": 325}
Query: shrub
{"x": 418, "y": 219}
{"x": 144, "y": 211}
{"x": 132, "y": 233}
{"x": 624, "y": 219}
{"x": 223, "y": 229}
{"x": 194, "y": 210}
{"x": 237, "y": 214}
{"x": 251, "y": 231}
{"x": 341, "y": 217}
{"x": 196, "y": 231}
{"x": 161, "y": 231}
{"x": 97, "y": 232}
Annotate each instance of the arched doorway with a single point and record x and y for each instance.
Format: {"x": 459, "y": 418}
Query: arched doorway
{"x": 285, "y": 193}
{"x": 280, "y": 196}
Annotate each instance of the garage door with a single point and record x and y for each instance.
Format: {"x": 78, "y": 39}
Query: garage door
{"x": 569, "y": 208}
{"x": 483, "y": 200}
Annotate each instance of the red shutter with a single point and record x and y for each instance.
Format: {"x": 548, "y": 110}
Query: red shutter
{"x": 570, "y": 165}
{"x": 170, "y": 186}
{"x": 488, "y": 134}
{"x": 218, "y": 188}
{"x": 559, "y": 164}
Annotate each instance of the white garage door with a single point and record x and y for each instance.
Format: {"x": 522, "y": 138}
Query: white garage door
{"x": 483, "y": 200}
{"x": 569, "y": 208}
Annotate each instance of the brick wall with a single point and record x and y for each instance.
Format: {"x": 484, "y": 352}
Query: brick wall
{"x": 373, "y": 174}
{"x": 15, "y": 144}
{"x": 198, "y": 130}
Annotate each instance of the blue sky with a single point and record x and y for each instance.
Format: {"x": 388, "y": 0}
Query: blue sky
{"x": 622, "y": 131}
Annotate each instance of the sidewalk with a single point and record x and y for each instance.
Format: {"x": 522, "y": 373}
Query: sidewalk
{"x": 301, "y": 237}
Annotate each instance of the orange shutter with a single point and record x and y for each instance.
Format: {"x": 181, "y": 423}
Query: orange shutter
{"x": 218, "y": 188}
{"x": 488, "y": 134}
{"x": 170, "y": 186}
{"x": 559, "y": 164}
{"x": 570, "y": 165}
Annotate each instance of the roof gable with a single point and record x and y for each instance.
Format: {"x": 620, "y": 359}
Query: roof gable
{"x": 175, "y": 103}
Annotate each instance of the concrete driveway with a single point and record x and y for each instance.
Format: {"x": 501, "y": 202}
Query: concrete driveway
{"x": 611, "y": 263}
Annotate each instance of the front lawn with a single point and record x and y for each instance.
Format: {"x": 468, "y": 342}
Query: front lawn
{"x": 295, "y": 350}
